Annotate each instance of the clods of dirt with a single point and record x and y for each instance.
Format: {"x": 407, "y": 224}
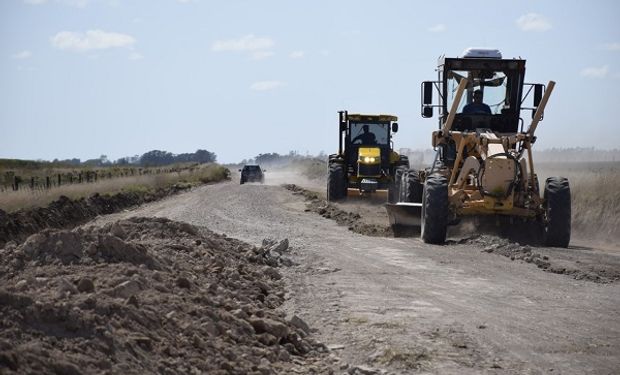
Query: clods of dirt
{"x": 525, "y": 253}
{"x": 67, "y": 213}
{"x": 148, "y": 295}
{"x": 352, "y": 220}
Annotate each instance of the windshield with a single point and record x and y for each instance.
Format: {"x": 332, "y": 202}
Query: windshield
{"x": 251, "y": 168}
{"x": 363, "y": 133}
{"x": 490, "y": 85}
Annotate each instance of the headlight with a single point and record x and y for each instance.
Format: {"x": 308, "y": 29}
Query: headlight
{"x": 369, "y": 159}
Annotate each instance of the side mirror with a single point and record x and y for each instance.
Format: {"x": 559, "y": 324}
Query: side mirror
{"x": 395, "y": 127}
{"x": 427, "y": 88}
{"x": 239, "y": 170}
{"x": 264, "y": 170}
{"x": 538, "y": 93}
{"x": 427, "y": 99}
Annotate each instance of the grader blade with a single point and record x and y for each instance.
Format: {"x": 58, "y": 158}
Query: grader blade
{"x": 404, "y": 214}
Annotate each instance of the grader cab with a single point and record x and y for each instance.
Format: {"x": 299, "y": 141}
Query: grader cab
{"x": 366, "y": 161}
{"x": 483, "y": 164}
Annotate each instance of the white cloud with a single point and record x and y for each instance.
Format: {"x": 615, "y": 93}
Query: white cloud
{"x": 533, "y": 22}
{"x": 611, "y": 46}
{"x": 297, "y": 54}
{"x": 259, "y": 55}
{"x": 73, "y": 3}
{"x": 594, "y": 72}
{"x": 135, "y": 56}
{"x": 440, "y": 27}
{"x": 21, "y": 55}
{"x": 266, "y": 85}
{"x": 91, "y": 40}
{"x": 245, "y": 43}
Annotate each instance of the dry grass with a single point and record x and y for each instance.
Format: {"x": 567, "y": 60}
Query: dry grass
{"x": 12, "y": 201}
{"x": 595, "y": 193}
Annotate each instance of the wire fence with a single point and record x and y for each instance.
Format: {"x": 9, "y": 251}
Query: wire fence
{"x": 10, "y": 181}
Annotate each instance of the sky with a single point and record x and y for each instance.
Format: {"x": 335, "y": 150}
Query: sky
{"x": 84, "y": 78}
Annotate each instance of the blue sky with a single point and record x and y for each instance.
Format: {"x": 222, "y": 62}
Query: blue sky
{"x": 81, "y": 78}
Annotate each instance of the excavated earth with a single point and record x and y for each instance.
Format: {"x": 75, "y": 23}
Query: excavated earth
{"x": 153, "y": 290}
{"x": 148, "y": 295}
{"x": 67, "y": 213}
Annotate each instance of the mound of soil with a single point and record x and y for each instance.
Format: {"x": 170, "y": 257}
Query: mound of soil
{"x": 352, "y": 220}
{"x": 525, "y": 253}
{"x": 67, "y": 213}
{"x": 148, "y": 295}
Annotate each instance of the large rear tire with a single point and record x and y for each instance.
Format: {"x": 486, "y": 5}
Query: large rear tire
{"x": 336, "y": 188}
{"x": 412, "y": 187}
{"x": 394, "y": 193}
{"x": 557, "y": 217}
{"x": 435, "y": 209}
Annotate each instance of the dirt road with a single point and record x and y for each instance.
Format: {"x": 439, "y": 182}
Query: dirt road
{"x": 404, "y": 306}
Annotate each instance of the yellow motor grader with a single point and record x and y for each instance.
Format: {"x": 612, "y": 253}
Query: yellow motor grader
{"x": 365, "y": 161}
{"x": 483, "y": 164}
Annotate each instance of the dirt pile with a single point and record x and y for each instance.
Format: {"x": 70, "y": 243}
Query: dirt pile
{"x": 525, "y": 253}
{"x": 352, "y": 220}
{"x": 148, "y": 295}
{"x": 65, "y": 212}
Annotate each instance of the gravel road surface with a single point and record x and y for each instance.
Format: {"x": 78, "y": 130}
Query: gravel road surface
{"x": 402, "y": 306}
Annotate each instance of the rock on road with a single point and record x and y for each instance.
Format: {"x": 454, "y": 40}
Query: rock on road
{"x": 405, "y": 306}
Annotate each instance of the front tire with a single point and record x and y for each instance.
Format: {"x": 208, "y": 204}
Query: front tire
{"x": 335, "y": 183}
{"x": 557, "y": 216}
{"x": 412, "y": 187}
{"x": 394, "y": 188}
{"x": 435, "y": 209}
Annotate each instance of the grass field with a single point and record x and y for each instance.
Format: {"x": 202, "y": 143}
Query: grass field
{"x": 14, "y": 200}
{"x": 595, "y": 195}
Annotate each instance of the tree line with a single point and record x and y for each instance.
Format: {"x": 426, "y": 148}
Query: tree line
{"x": 152, "y": 158}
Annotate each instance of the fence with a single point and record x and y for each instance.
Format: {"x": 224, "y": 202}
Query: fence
{"x": 12, "y": 182}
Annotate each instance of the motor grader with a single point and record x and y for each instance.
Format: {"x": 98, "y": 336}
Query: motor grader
{"x": 483, "y": 164}
{"x": 366, "y": 161}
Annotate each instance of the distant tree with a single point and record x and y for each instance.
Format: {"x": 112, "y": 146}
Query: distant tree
{"x": 204, "y": 156}
{"x": 156, "y": 158}
{"x": 268, "y": 158}
{"x": 122, "y": 161}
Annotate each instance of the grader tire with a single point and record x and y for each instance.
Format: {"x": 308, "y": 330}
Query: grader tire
{"x": 557, "y": 219}
{"x": 413, "y": 187}
{"x": 435, "y": 209}
{"x": 394, "y": 188}
{"x": 335, "y": 183}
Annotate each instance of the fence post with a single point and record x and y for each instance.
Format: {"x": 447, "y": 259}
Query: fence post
{"x": 31, "y": 183}
{"x": 15, "y": 183}
{"x": 59, "y": 179}
{"x": 47, "y": 182}
{"x": 80, "y": 178}
{"x": 95, "y": 176}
